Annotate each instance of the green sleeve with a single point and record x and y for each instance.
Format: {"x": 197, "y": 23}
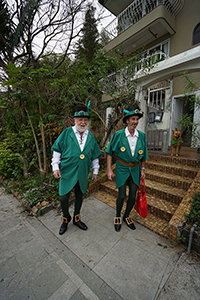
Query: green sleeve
{"x": 96, "y": 151}
{"x": 145, "y": 157}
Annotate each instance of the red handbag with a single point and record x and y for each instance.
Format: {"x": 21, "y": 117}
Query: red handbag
{"x": 141, "y": 202}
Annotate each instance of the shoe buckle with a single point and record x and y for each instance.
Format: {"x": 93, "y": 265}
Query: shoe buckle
{"x": 117, "y": 221}
{"x": 129, "y": 221}
{"x": 77, "y": 218}
{"x": 63, "y": 219}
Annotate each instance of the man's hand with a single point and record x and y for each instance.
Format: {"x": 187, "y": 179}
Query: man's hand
{"x": 142, "y": 173}
{"x": 94, "y": 177}
{"x": 56, "y": 174}
{"x": 110, "y": 174}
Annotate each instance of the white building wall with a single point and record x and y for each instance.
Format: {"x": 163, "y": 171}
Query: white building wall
{"x": 140, "y": 96}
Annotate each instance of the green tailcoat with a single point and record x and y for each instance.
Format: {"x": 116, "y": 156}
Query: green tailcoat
{"x": 72, "y": 167}
{"x": 120, "y": 145}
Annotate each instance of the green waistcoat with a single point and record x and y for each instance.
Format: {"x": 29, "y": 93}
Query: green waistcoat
{"x": 75, "y": 164}
{"x": 120, "y": 145}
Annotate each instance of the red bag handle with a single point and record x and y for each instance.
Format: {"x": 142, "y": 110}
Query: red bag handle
{"x": 143, "y": 186}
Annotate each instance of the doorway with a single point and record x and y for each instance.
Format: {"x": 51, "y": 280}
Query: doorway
{"x": 180, "y": 108}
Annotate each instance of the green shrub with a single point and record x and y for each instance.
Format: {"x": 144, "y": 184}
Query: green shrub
{"x": 35, "y": 190}
{"x": 194, "y": 215}
{"x": 11, "y": 164}
{"x": 33, "y": 196}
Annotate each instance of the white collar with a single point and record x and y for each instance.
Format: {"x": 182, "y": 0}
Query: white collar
{"x": 136, "y": 134}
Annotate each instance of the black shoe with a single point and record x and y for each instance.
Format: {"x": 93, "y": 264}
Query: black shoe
{"x": 64, "y": 225}
{"x": 117, "y": 223}
{"x": 63, "y": 228}
{"x": 77, "y": 221}
{"x": 117, "y": 227}
{"x": 129, "y": 223}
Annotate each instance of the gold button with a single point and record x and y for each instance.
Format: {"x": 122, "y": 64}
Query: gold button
{"x": 140, "y": 152}
{"x": 82, "y": 156}
{"x": 123, "y": 149}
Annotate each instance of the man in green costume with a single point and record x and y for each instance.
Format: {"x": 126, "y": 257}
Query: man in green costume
{"x": 131, "y": 150}
{"x": 76, "y": 150}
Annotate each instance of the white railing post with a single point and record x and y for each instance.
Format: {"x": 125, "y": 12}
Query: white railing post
{"x": 143, "y": 8}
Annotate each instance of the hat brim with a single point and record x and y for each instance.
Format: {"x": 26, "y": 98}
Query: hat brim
{"x": 81, "y": 117}
{"x": 126, "y": 117}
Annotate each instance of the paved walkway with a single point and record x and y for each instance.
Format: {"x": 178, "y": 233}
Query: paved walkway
{"x": 37, "y": 263}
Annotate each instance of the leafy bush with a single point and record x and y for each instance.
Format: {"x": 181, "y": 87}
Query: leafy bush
{"x": 194, "y": 215}
{"x": 36, "y": 189}
{"x": 11, "y": 164}
{"x": 33, "y": 196}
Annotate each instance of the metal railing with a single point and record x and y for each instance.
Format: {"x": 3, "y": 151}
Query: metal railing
{"x": 107, "y": 84}
{"x": 136, "y": 11}
{"x": 126, "y": 75}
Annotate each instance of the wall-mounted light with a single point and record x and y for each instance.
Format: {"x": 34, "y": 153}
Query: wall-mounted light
{"x": 158, "y": 116}
{"x": 155, "y": 117}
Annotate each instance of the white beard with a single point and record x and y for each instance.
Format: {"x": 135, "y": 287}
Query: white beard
{"x": 80, "y": 128}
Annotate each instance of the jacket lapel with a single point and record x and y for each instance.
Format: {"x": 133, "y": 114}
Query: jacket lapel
{"x": 73, "y": 137}
{"x": 88, "y": 140}
{"x": 138, "y": 146}
{"x": 126, "y": 145}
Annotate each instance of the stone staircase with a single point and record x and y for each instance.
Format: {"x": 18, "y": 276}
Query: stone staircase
{"x": 167, "y": 182}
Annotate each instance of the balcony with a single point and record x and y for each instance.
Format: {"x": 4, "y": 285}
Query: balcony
{"x": 124, "y": 77}
{"x": 149, "y": 18}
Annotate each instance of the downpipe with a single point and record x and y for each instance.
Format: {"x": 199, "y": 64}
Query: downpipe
{"x": 190, "y": 238}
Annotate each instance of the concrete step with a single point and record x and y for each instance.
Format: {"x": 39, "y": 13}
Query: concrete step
{"x": 152, "y": 222}
{"x": 171, "y": 168}
{"x": 184, "y": 161}
{"x": 155, "y": 189}
{"x": 168, "y": 179}
{"x": 161, "y": 208}
{"x": 158, "y": 207}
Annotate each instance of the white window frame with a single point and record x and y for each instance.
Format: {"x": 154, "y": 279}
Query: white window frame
{"x": 158, "y": 102}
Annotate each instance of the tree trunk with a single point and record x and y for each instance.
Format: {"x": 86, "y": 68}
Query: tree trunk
{"x": 36, "y": 144}
{"x": 43, "y": 141}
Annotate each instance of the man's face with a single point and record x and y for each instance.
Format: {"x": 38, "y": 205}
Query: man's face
{"x": 132, "y": 122}
{"x": 81, "y": 123}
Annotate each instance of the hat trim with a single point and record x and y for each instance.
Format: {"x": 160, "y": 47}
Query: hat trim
{"x": 133, "y": 112}
{"x": 81, "y": 113}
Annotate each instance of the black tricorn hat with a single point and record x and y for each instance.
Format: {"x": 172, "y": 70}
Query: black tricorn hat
{"x": 82, "y": 111}
{"x": 132, "y": 111}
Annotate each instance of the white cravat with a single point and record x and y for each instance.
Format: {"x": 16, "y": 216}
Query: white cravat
{"x": 81, "y": 139}
{"x": 132, "y": 139}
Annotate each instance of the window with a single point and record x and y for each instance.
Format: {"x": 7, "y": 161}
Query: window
{"x": 154, "y": 55}
{"x": 157, "y": 99}
{"x": 196, "y": 35}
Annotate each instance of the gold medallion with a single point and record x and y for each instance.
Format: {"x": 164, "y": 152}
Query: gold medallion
{"x": 82, "y": 156}
{"x": 123, "y": 149}
{"x": 140, "y": 151}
